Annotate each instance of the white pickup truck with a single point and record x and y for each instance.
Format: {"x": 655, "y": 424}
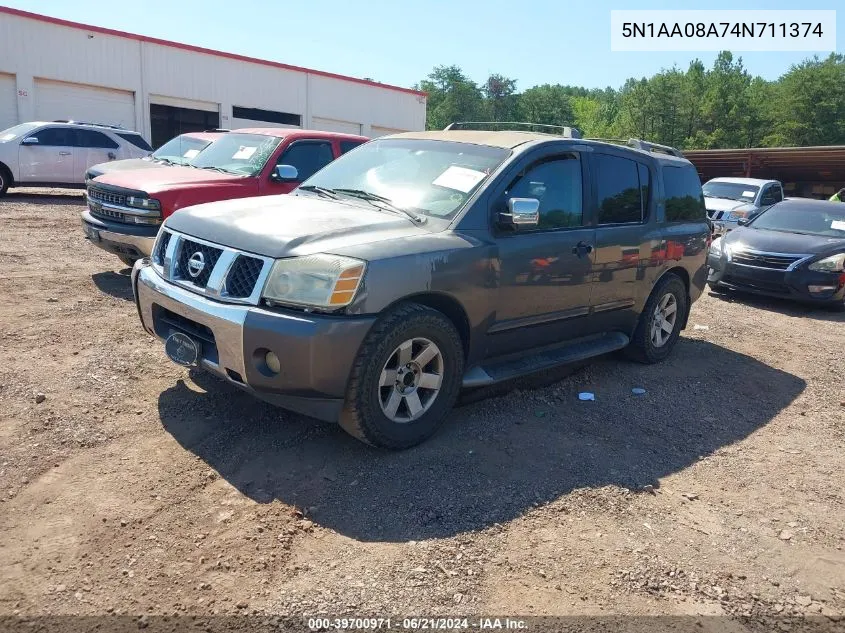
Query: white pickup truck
{"x": 729, "y": 199}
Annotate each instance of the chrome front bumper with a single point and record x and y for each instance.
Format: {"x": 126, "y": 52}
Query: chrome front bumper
{"x": 118, "y": 243}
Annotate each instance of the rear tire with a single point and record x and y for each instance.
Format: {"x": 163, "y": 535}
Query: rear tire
{"x": 5, "y": 180}
{"x": 654, "y": 339}
{"x": 405, "y": 379}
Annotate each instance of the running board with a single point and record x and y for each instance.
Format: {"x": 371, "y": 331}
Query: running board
{"x": 509, "y": 368}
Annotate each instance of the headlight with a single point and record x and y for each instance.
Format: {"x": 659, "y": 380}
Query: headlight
{"x": 736, "y": 215}
{"x": 832, "y": 264}
{"x": 321, "y": 281}
{"x": 716, "y": 247}
{"x": 143, "y": 203}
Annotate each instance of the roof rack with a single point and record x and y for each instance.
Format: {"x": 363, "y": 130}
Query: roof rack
{"x": 645, "y": 146}
{"x": 557, "y": 130}
{"x": 106, "y": 125}
{"x": 217, "y": 129}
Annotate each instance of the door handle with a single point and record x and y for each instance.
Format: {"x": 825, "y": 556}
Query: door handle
{"x": 64, "y": 153}
{"x": 581, "y": 249}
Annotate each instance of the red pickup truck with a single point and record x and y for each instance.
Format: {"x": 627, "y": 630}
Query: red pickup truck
{"x": 126, "y": 209}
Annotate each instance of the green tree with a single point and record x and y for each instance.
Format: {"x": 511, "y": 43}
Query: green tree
{"x": 500, "y": 97}
{"x": 452, "y": 96}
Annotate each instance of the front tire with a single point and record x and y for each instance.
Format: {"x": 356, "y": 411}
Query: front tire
{"x": 5, "y": 180}
{"x": 660, "y": 322}
{"x": 126, "y": 259}
{"x": 405, "y": 380}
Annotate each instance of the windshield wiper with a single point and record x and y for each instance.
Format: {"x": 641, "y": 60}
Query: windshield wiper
{"x": 322, "y": 191}
{"x": 215, "y": 168}
{"x": 373, "y": 198}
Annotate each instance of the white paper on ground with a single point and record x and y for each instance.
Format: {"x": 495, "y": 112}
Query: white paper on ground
{"x": 459, "y": 178}
{"x": 586, "y": 395}
{"x": 244, "y": 153}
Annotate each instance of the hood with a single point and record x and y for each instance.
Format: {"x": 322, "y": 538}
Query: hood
{"x": 121, "y": 165}
{"x": 781, "y": 242}
{"x": 720, "y": 204}
{"x": 167, "y": 177}
{"x": 291, "y": 225}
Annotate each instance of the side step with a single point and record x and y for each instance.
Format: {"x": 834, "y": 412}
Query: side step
{"x": 508, "y": 368}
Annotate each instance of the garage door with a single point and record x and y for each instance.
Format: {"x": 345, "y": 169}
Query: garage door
{"x": 335, "y": 125}
{"x": 8, "y": 102}
{"x": 56, "y": 100}
{"x": 375, "y": 131}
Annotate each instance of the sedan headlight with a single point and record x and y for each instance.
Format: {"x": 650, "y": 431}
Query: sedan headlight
{"x": 716, "y": 247}
{"x": 149, "y": 204}
{"x": 832, "y": 264}
{"x": 320, "y": 281}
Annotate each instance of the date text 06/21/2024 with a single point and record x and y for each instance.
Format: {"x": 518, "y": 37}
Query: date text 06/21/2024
{"x": 416, "y": 624}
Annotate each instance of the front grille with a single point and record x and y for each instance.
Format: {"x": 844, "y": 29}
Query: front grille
{"x": 108, "y": 197}
{"x": 243, "y": 276}
{"x": 764, "y": 260}
{"x": 107, "y": 214}
{"x": 188, "y": 249}
{"x": 748, "y": 283}
{"x": 161, "y": 250}
{"x": 715, "y": 215}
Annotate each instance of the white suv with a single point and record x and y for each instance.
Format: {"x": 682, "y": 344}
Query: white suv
{"x": 58, "y": 153}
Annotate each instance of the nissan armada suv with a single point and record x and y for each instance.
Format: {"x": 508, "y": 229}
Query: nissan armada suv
{"x": 424, "y": 262}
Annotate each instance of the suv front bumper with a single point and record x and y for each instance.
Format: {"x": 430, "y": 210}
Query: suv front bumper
{"x": 316, "y": 351}
{"x": 129, "y": 240}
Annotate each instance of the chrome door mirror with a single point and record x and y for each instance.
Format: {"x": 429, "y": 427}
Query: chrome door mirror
{"x": 285, "y": 173}
{"x": 743, "y": 221}
{"x": 30, "y": 140}
{"x": 523, "y": 213}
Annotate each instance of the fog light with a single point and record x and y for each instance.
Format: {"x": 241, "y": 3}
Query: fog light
{"x": 818, "y": 289}
{"x": 273, "y": 363}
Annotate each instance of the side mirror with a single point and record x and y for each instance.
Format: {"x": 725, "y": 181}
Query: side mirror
{"x": 522, "y": 213}
{"x": 742, "y": 221}
{"x": 30, "y": 140}
{"x": 285, "y": 173}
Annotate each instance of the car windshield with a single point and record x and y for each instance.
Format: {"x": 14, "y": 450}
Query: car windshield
{"x": 181, "y": 150}
{"x": 825, "y": 220}
{"x": 17, "y": 131}
{"x": 731, "y": 191}
{"x": 243, "y": 154}
{"x": 434, "y": 178}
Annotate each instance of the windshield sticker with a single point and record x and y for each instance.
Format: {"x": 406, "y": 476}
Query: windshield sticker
{"x": 837, "y": 225}
{"x": 747, "y": 194}
{"x": 190, "y": 153}
{"x": 459, "y": 178}
{"x": 244, "y": 153}
{"x": 7, "y": 137}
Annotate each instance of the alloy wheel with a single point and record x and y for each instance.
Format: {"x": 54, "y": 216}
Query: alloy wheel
{"x": 410, "y": 380}
{"x": 663, "y": 323}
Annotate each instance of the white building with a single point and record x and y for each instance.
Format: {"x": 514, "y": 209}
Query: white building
{"x": 52, "y": 69}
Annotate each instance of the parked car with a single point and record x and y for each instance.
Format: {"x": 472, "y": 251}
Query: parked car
{"x": 794, "y": 249}
{"x": 126, "y": 208}
{"x": 177, "y": 151}
{"x": 408, "y": 269}
{"x": 730, "y": 199}
{"x": 57, "y": 154}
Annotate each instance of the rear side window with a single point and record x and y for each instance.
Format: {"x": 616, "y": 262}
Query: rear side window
{"x": 307, "y": 157}
{"x": 622, "y": 188}
{"x": 137, "y": 140}
{"x": 684, "y": 199}
{"x": 346, "y": 146}
{"x": 90, "y": 138}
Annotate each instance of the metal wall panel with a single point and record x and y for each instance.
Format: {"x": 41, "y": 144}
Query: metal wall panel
{"x": 63, "y": 100}
{"x": 8, "y": 101}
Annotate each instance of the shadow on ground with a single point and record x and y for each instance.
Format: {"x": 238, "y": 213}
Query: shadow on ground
{"x": 495, "y": 458}
{"x": 54, "y": 197}
{"x": 782, "y": 306}
{"x": 116, "y": 284}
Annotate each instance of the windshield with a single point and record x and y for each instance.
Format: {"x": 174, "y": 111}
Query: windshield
{"x": 825, "y": 221}
{"x": 430, "y": 177}
{"x": 16, "y": 131}
{"x": 731, "y": 191}
{"x": 181, "y": 149}
{"x": 243, "y": 154}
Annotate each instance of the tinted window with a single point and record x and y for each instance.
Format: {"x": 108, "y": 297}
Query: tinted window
{"x": 684, "y": 199}
{"x": 308, "y": 158}
{"x": 556, "y": 184}
{"x": 346, "y": 146}
{"x": 620, "y": 199}
{"x": 90, "y": 138}
{"x": 137, "y": 140}
{"x": 56, "y": 136}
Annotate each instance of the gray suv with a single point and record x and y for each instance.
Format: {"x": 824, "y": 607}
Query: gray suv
{"x": 426, "y": 262}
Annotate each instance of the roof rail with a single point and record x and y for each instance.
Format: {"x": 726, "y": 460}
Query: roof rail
{"x": 557, "y": 130}
{"x": 645, "y": 146}
{"x": 106, "y": 125}
{"x": 217, "y": 129}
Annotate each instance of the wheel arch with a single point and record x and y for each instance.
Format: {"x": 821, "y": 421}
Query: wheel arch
{"x": 446, "y": 304}
{"x": 683, "y": 275}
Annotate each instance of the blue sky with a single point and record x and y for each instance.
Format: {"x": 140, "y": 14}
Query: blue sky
{"x": 533, "y": 41}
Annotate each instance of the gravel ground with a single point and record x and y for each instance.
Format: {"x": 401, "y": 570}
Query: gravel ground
{"x": 132, "y": 486}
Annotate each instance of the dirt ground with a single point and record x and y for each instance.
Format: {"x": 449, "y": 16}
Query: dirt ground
{"x": 131, "y": 485}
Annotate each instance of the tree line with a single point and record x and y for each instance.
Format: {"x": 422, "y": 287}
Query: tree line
{"x": 700, "y": 108}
